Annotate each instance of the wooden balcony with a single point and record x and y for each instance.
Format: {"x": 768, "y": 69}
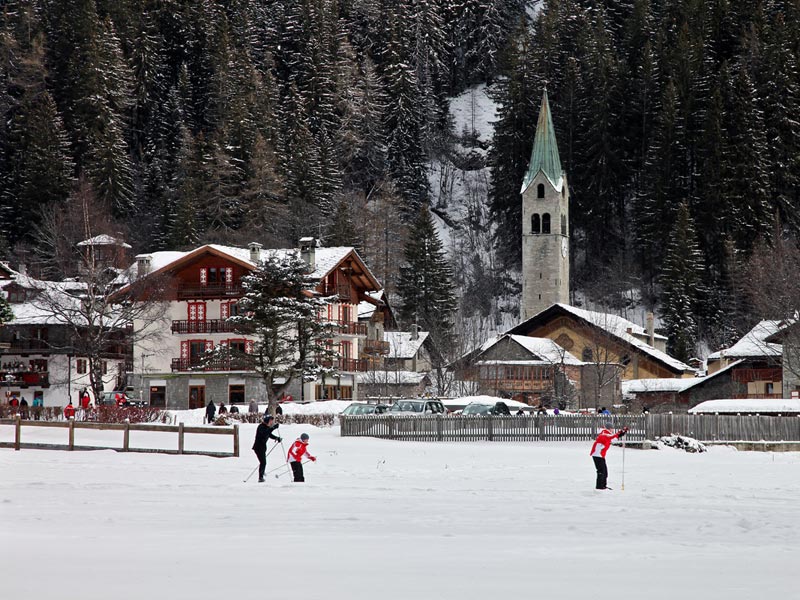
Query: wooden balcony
{"x": 348, "y": 365}
{"x": 210, "y": 326}
{"x": 748, "y": 375}
{"x": 343, "y": 290}
{"x": 195, "y": 291}
{"x": 351, "y": 328}
{"x": 376, "y": 347}
{"x": 196, "y": 364}
{"x": 28, "y": 345}
{"x": 24, "y": 378}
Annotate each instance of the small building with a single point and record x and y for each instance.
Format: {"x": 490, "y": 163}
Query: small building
{"x": 739, "y": 406}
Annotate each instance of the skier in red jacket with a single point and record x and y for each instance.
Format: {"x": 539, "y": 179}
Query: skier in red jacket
{"x": 295, "y": 456}
{"x": 598, "y": 453}
{"x": 69, "y": 411}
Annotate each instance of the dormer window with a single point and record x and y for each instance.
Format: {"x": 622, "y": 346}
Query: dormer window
{"x": 540, "y": 190}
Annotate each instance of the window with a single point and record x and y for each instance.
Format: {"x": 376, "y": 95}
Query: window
{"x": 104, "y": 367}
{"x": 237, "y": 346}
{"x": 546, "y": 223}
{"x": 80, "y": 366}
{"x": 540, "y": 190}
{"x": 236, "y": 394}
{"x": 535, "y": 224}
{"x": 16, "y": 295}
{"x": 587, "y": 355}
{"x": 626, "y": 360}
{"x": 563, "y": 224}
{"x": 213, "y": 275}
{"x": 196, "y": 350}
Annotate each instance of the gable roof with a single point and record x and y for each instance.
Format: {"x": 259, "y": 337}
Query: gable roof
{"x": 542, "y": 350}
{"x": 401, "y": 345}
{"x": 103, "y": 240}
{"x": 325, "y": 261}
{"x": 544, "y": 155}
{"x": 613, "y": 325}
{"x": 753, "y": 344}
{"x": 671, "y": 384}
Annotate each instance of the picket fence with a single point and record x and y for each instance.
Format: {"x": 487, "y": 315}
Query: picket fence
{"x": 569, "y": 427}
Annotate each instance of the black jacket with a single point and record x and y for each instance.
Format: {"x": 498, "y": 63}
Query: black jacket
{"x": 263, "y": 432}
{"x": 211, "y": 410}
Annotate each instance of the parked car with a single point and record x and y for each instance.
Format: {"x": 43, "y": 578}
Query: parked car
{"x": 120, "y": 398}
{"x": 362, "y": 408}
{"x": 418, "y": 406}
{"x": 476, "y": 408}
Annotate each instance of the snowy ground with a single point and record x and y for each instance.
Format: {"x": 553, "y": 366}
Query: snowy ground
{"x": 398, "y": 520}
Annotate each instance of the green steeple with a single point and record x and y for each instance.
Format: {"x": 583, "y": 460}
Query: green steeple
{"x": 544, "y": 156}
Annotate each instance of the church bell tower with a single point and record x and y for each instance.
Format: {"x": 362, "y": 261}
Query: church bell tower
{"x": 545, "y": 223}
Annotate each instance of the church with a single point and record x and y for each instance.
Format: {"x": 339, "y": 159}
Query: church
{"x": 598, "y": 350}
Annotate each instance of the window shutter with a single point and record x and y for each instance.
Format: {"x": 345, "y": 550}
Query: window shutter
{"x": 209, "y": 345}
{"x": 192, "y": 311}
{"x": 201, "y": 311}
{"x": 224, "y": 310}
{"x": 185, "y": 349}
{"x": 229, "y": 276}
{"x": 248, "y": 346}
{"x": 203, "y": 276}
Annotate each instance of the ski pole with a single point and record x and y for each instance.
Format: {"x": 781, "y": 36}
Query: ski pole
{"x": 256, "y": 467}
{"x": 623, "y": 464}
{"x": 305, "y": 462}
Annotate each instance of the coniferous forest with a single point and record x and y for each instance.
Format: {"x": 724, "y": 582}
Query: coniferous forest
{"x": 181, "y": 122}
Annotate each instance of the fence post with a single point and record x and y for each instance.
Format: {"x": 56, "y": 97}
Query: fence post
{"x": 17, "y": 432}
{"x": 72, "y": 433}
{"x": 489, "y": 428}
{"x": 126, "y": 436}
{"x": 647, "y": 427}
{"x": 236, "y": 439}
{"x": 439, "y": 428}
{"x": 180, "y": 438}
{"x": 391, "y": 427}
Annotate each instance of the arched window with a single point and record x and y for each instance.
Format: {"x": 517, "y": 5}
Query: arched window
{"x": 563, "y": 224}
{"x": 546, "y": 223}
{"x": 587, "y": 355}
{"x": 540, "y": 190}
{"x": 535, "y": 225}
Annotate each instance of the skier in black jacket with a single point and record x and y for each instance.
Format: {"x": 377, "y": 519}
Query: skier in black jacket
{"x": 264, "y": 431}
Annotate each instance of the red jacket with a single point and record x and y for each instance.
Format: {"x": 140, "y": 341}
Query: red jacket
{"x": 602, "y": 443}
{"x": 298, "y": 450}
{"x": 69, "y": 411}
{"x": 85, "y": 401}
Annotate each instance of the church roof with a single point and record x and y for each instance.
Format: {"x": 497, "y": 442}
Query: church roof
{"x": 544, "y": 156}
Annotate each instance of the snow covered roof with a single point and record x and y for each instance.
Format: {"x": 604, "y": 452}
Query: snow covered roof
{"x": 103, "y": 240}
{"x": 619, "y": 327}
{"x": 546, "y": 349}
{"x": 669, "y": 384}
{"x": 392, "y": 377}
{"x": 753, "y": 343}
{"x": 749, "y": 405}
{"x": 367, "y": 309}
{"x": 401, "y": 345}
{"x": 487, "y": 400}
{"x": 325, "y": 259}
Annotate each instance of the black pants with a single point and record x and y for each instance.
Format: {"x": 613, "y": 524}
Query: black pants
{"x": 602, "y": 472}
{"x": 262, "y": 461}
{"x": 297, "y": 470}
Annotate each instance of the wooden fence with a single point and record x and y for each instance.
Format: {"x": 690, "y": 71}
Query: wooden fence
{"x": 569, "y": 427}
{"x": 126, "y": 429}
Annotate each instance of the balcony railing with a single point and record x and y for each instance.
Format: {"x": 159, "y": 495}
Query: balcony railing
{"x": 25, "y": 378}
{"x": 23, "y": 345}
{"x": 192, "y": 291}
{"x": 351, "y": 328}
{"x": 196, "y": 364}
{"x": 748, "y": 375}
{"x": 210, "y": 326}
{"x": 343, "y": 290}
{"x": 376, "y": 347}
{"x": 347, "y": 365}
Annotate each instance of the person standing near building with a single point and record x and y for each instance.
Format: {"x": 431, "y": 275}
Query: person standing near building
{"x": 598, "y": 453}
{"x": 253, "y": 406}
{"x": 69, "y": 411}
{"x": 295, "y": 457}
{"x": 264, "y": 432}
{"x": 211, "y": 411}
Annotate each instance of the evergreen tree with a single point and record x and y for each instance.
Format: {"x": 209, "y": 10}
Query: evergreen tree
{"x": 425, "y": 284}
{"x": 681, "y": 285}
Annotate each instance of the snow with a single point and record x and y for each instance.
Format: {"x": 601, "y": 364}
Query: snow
{"x": 752, "y": 405}
{"x": 474, "y": 111}
{"x": 326, "y": 407}
{"x": 456, "y": 403}
{"x": 752, "y": 343}
{"x": 401, "y": 344}
{"x": 398, "y": 520}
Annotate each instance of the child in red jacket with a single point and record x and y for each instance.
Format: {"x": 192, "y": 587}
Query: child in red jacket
{"x": 598, "y": 453}
{"x": 295, "y": 457}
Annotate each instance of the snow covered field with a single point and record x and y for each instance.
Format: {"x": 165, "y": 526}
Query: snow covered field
{"x": 398, "y": 520}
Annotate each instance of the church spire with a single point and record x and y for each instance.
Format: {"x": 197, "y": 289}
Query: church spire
{"x": 544, "y": 156}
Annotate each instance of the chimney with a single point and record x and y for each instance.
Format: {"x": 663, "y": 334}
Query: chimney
{"x": 143, "y": 263}
{"x": 255, "y": 252}
{"x": 415, "y": 332}
{"x": 308, "y": 251}
{"x": 22, "y": 269}
{"x": 651, "y": 329}
{"x": 629, "y": 331}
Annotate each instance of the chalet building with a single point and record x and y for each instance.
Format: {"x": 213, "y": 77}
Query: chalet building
{"x": 788, "y": 336}
{"x": 38, "y": 361}
{"x": 602, "y": 338}
{"x": 204, "y": 288}
{"x": 404, "y": 368}
{"x": 756, "y": 363}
